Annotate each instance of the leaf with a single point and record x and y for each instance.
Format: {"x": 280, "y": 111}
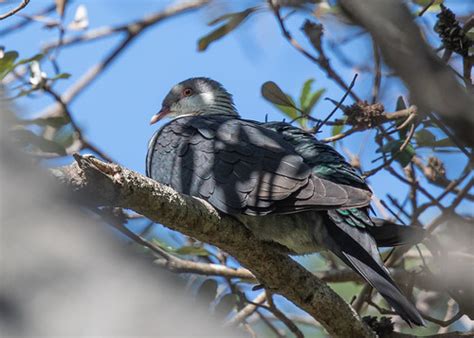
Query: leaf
{"x": 404, "y": 157}
{"x": 61, "y": 76}
{"x": 400, "y": 103}
{"x": 37, "y": 57}
{"x": 53, "y": 121}
{"x": 7, "y": 62}
{"x": 226, "y": 304}
{"x": 228, "y": 16}
{"x": 291, "y": 112}
{"x": 337, "y": 129}
{"x": 26, "y": 138}
{"x": 393, "y": 147}
{"x": 192, "y": 250}
{"x": 271, "y": 92}
{"x": 424, "y": 138}
{"x": 313, "y": 100}
{"x": 234, "y": 20}
{"x": 305, "y": 92}
{"x": 445, "y": 142}
{"x": 208, "y": 291}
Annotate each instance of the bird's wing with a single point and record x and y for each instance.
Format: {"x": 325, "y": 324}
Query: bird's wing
{"x": 241, "y": 167}
{"x": 324, "y": 160}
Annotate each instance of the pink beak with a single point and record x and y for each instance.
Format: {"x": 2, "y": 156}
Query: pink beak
{"x": 161, "y": 114}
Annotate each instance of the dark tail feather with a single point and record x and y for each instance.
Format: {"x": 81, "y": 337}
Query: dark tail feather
{"x": 388, "y": 234}
{"x": 358, "y": 250}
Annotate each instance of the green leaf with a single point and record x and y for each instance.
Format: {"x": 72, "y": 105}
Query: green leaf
{"x": 292, "y": 113}
{"x": 208, "y": 291}
{"x": 393, "y": 147}
{"x": 305, "y": 92}
{"x": 37, "y": 57}
{"x": 26, "y": 138}
{"x": 337, "y": 129}
{"x": 192, "y": 250}
{"x": 234, "y": 20}
{"x": 404, "y": 157}
{"x": 400, "y": 103}
{"x": 61, "y": 76}
{"x": 53, "y": 121}
{"x": 314, "y": 98}
{"x": 445, "y": 142}
{"x": 424, "y": 138}
{"x": 271, "y": 92}
{"x": 7, "y": 63}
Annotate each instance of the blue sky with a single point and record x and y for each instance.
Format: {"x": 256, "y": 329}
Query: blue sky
{"x": 114, "y": 111}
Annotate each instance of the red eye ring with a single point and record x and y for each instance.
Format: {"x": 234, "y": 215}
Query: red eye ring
{"x": 187, "y": 92}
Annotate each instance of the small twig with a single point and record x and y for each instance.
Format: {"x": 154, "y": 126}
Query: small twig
{"x": 247, "y": 310}
{"x": 318, "y": 126}
{"x": 377, "y": 72}
{"x": 426, "y": 8}
{"x": 280, "y": 315}
{"x": 22, "y": 5}
{"x": 322, "y": 61}
{"x": 14, "y": 28}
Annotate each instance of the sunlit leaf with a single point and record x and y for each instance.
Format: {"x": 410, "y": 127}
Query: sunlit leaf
{"x": 7, "y": 62}
{"x": 234, "y": 20}
{"x": 273, "y": 93}
{"x": 305, "y": 92}
{"x": 61, "y": 76}
{"x": 337, "y": 129}
{"x": 313, "y": 99}
{"x": 37, "y": 57}
{"x": 292, "y": 113}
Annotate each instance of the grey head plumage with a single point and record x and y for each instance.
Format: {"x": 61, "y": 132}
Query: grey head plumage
{"x": 196, "y": 96}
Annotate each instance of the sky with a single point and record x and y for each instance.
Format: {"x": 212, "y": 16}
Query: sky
{"x": 115, "y": 110}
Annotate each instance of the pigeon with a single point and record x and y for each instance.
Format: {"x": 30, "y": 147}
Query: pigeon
{"x": 279, "y": 181}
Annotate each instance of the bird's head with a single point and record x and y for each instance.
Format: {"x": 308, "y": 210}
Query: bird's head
{"x": 196, "y": 96}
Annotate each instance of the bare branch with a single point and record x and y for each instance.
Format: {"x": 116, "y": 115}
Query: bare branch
{"x": 15, "y": 10}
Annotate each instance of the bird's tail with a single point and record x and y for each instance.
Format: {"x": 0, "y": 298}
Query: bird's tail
{"x": 357, "y": 248}
{"x": 388, "y": 234}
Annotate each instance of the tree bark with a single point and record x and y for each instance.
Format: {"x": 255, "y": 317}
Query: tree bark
{"x": 105, "y": 184}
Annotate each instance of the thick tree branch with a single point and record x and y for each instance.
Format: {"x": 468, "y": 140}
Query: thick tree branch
{"x": 112, "y": 185}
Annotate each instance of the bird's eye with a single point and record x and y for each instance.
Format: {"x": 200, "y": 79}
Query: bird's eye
{"x": 187, "y": 92}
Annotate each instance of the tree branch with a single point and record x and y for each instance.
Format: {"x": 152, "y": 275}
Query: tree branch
{"x": 112, "y": 185}
{"x": 15, "y": 10}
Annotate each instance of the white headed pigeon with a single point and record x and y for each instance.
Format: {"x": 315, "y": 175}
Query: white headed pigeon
{"x": 278, "y": 180}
